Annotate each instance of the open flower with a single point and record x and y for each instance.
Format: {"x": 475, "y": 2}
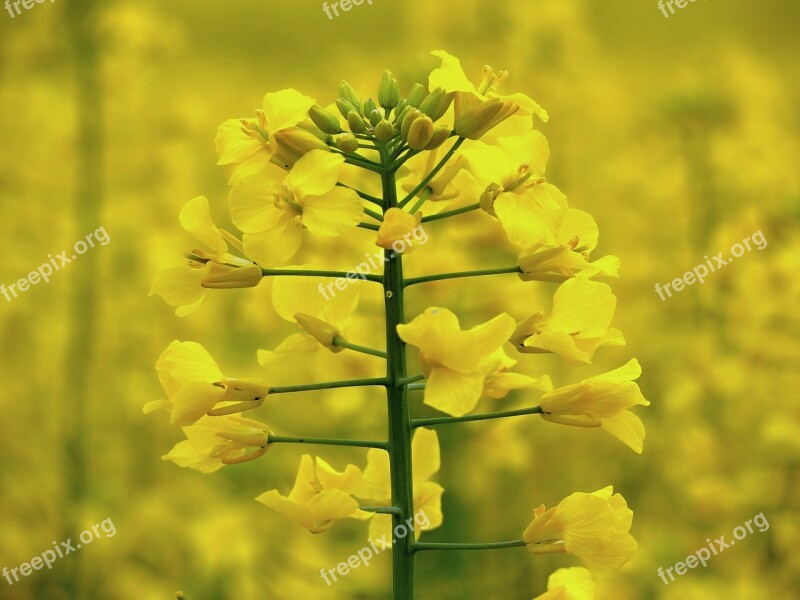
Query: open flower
{"x": 594, "y": 527}
{"x": 576, "y": 327}
{"x": 273, "y": 214}
{"x": 377, "y": 485}
{"x": 452, "y": 359}
{"x": 320, "y": 496}
{"x": 601, "y": 401}
{"x": 564, "y": 252}
{"x": 453, "y": 185}
{"x": 196, "y": 386}
{"x": 574, "y": 583}
{"x": 322, "y": 312}
{"x": 212, "y": 266}
{"x": 213, "y": 442}
{"x": 246, "y": 146}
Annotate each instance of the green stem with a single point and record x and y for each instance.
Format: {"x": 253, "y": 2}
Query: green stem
{"x": 452, "y": 213}
{"x": 328, "y": 385}
{"x": 426, "y": 193}
{"x": 314, "y": 273}
{"x": 459, "y": 275}
{"x": 363, "y": 196}
{"x": 420, "y": 546}
{"x": 536, "y": 410}
{"x": 382, "y": 510}
{"x": 375, "y": 215}
{"x": 282, "y": 439}
{"x": 424, "y": 183}
{"x": 337, "y": 341}
{"x": 399, "y": 417}
{"x": 369, "y": 226}
{"x": 412, "y": 379}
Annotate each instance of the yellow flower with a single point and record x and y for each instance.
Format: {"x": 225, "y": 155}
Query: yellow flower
{"x": 246, "y": 146}
{"x": 454, "y": 183}
{"x": 397, "y": 225}
{"x": 450, "y": 76}
{"x": 321, "y": 309}
{"x": 377, "y": 486}
{"x": 213, "y": 442}
{"x": 563, "y": 253}
{"x": 601, "y": 401}
{"x": 594, "y": 527}
{"x": 498, "y": 381}
{"x": 273, "y": 213}
{"x": 195, "y": 386}
{"x": 320, "y": 496}
{"x": 576, "y": 327}
{"x": 574, "y": 583}
{"x": 184, "y": 287}
{"x": 452, "y": 359}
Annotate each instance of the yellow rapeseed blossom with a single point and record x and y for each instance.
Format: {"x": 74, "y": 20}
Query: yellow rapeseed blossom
{"x": 573, "y": 583}
{"x": 213, "y": 442}
{"x": 196, "y": 386}
{"x": 185, "y": 287}
{"x": 601, "y": 401}
{"x": 576, "y": 327}
{"x": 377, "y": 485}
{"x": 273, "y": 213}
{"x": 246, "y": 146}
{"x": 594, "y": 527}
{"x": 396, "y": 225}
{"x": 320, "y": 496}
{"x": 498, "y": 381}
{"x": 452, "y": 359}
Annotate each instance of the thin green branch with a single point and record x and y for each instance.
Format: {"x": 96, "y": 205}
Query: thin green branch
{"x": 337, "y": 341}
{"x": 377, "y": 216}
{"x": 314, "y": 273}
{"x": 329, "y": 385}
{"x": 382, "y": 510}
{"x": 452, "y": 213}
{"x": 460, "y": 274}
{"x": 420, "y": 546}
{"x": 536, "y": 410}
{"x": 426, "y": 193}
{"x": 282, "y": 439}
{"x": 369, "y": 226}
{"x": 364, "y": 196}
{"x": 424, "y": 183}
{"x": 412, "y": 379}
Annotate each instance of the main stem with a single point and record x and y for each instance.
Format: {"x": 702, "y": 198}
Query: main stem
{"x": 399, "y": 420}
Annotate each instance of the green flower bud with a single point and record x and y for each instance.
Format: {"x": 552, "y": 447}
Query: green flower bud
{"x": 384, "y": 131}
{"x": 345, "y": 107}
{"x": 436, "y": 104}
{"x": 369, "y": 106}
{"x": 411, "y": 115}
{"x": 308, "y": 125}
{"x": 401, "y": 106}
{"x": 375, "y": 117}
{"x": 356, "y": 123}
{"x": 347, "y": 92}
{"x": 293, "y": 143}
{"x": 402, "y": 115}
{"x": 420, "y": 132}
{"x": 416, "y": 95}
{"x": 346, "y": 142}
{"x": 440, "y": 136}
{"x": 325, "y": 120}
{"x": 480, "y": 118}
{"x": 389, "y": 91}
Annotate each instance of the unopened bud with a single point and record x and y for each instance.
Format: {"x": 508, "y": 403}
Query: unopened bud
{"x": 369, "y": 106}
{"x": 346, "y": 142}
{"x": 294, "y": 143}
{"x": 416, "y": 95}
{"x": 436, "y": 104}
{"x": 322, "y": 331}
{"x": 356, "y": 123}
{"x": 375, "y": 117}
{"x": 420, "y": 133}
{"x": 345, "y": 107}
{"x": 388, "y": 91}
{"x": 474, "y": 122}
{"x": 408, "y": 120}
{"x": 398, "y": 110}
{"x": 325, "y": 120}
{"x": 384, "y": 131}
{"x": 236, "y": 277}
{"x": 347, "y": 92}
{"x": 440, "y": 136}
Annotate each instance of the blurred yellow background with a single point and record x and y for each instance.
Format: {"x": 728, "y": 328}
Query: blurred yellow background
{"x": 680, "y": 136}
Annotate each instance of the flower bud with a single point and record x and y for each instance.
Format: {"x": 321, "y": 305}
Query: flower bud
{"x": 436, "y": 104}
{"x": 325, "y": 120}
{"x": 369, "y": 106}
{"x": 398, "y": 121}
{"x": 420, "y": 132}
{"x": 356, "y": 123}
{"x": 347, "y": 92}
{"x": 440, "y": 136}
{"x": 293, "y": 143}
{"x": 323, "y": 332}
{"x": 375, "y": 117}
{"x": 416, "y": 95}
{"x": 410, "y": 117}
{"x": 345, "y": 107}
{"x": 474, "y": 122}
{"x": 384, "y": 131}
{"x": 346, "y": 142}
{"x": 236, "y": 277}
{"x": 388, "y": 91}
{"x": 398, "y": 110}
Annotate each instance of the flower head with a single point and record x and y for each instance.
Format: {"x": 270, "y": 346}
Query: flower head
{"x": 594, "y": 527}
{"x": 196, "y": 386}
{"x": 601, "y": 401}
